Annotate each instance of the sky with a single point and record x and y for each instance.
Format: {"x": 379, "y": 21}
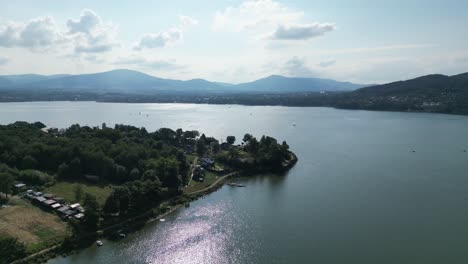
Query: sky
{"x": 361, "y": 41}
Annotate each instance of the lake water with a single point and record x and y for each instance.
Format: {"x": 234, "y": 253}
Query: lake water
{"x": 359, "y": 194}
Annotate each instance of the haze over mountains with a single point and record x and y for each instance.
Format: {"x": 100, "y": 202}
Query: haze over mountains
{"x": 127, "y": 81}
{"x": 431, "y": 93}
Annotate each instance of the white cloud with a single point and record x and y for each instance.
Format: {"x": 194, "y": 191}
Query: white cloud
{"x": 325, "y": 64}
{"x": 160, "y": 39}
{"x": 298, "y": 32}
{"x": 90, "y": 34}
{"x": 268, "y": 19}
{"x": 4, "y": 60}
{"x": 186, "y": 21}
{"x": 88, "y": 21}
{"x": 255, "y": 14}
{"x": 39, "y": 33}
{"x": 164, "y": 38}
{"x": 153, "y": 64}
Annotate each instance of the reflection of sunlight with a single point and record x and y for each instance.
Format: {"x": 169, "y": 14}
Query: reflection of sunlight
{"x": 197, "y": 236}
{"x": 172, "y": 106}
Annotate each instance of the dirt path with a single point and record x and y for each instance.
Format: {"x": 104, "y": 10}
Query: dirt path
{"x": 35, "y": 254}
{"x": 214, "y": 183}
{"x": 194, "y": 163}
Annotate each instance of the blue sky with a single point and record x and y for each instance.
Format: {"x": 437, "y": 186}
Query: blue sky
{"x": 236, "y": 41}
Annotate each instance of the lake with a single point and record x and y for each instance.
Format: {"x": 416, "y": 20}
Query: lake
{"x": 369, "y": 187}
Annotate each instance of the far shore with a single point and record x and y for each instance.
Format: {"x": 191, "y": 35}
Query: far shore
{"x": 237, "y": 104}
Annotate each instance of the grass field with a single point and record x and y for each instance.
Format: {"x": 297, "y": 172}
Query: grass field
{"x": 32, "y": 226}
{"x": 67, "y": 191}
{"x": 210, "y": 178}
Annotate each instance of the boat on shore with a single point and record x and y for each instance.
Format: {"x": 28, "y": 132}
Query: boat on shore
{"x": 99, "y": 243}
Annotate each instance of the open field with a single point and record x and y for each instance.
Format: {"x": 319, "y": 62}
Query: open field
{"x": 210, "y": 178}
{"x": 67, "y": 191}
{"x": 32, "y": 226}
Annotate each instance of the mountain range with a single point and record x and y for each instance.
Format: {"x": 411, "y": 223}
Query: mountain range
{"x": 430, "y": 93}
{"x": 133, "y": 82}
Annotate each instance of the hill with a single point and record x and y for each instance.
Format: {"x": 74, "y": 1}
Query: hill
{"x": 281, "y": 84}
{"x": 133, "y": 82}
{"x": 27, "y": 78}
{"x": 430, "y": 93}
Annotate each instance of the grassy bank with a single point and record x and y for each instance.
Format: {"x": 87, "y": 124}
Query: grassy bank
{"x": 32, "y": 226}
{"x": 67, "y": 191}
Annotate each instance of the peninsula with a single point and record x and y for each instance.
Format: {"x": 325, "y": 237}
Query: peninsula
{"x": 62, "y": 189}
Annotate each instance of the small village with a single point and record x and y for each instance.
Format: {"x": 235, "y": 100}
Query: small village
{"x": 51, "y": 203}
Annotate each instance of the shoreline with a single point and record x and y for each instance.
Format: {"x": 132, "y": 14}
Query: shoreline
{"x": 240, "y": 104}
{"x": 134, "y": 220}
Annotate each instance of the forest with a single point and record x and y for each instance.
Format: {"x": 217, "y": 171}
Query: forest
{"x": 142, "y": 168}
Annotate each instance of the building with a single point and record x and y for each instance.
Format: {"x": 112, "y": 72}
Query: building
{"x": 59, "y": 200}
{"x": 49, "y": 202}
{"x": 63, "y": 209}
{"x": 56, "y": 205}
{"x": 207, "y": 162}
{"x": 66, "y": 211}
{"x": 79, "y": 216}
{"x": 40, "y": 199}
{"x": 48, "y": 195}
{"x": 75, "y": 206}
{"x": 198, "y": 173}
{"x": 20, "y": 186}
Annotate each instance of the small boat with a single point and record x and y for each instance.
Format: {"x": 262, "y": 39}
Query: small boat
{"x": 122, "y": 235}
{"x": 236, "y": 184}
{"x": 99, "y": 243}
{"x": 162, "y": 220}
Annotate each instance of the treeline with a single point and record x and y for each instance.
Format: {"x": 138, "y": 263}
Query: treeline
{"x": 264, "y": 155}
{"x": 114, "y": 155}
{"x": 11, "y": 249}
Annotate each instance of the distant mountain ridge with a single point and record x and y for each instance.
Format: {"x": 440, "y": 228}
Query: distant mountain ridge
{"x": 430, "y": 93}
{"x": 297, "y": 84}
{"x": 128, "y": 81}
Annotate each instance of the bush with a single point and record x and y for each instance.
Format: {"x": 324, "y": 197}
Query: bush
{"x": 34, "y": 177}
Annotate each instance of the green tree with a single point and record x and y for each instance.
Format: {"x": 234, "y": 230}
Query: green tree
{"x": 215, "y": 146}
{"x": 230, "y": 140}
{"x": 201, "y": 146}
{"x": 63, "y": 171}
{"x": 91, "y": 207}
{"x": 134, "y": 174}
{"x": 120, "y": 172}
{"x": 150, "y": 175}
{"x": 78, "y": 191}
{"x": 112, "y": 204}
{"x": 247, "y": 137}
{"x": 6, "y": 183}
{"x": 29, "y": 162}
{"x": 11, "y": 249}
